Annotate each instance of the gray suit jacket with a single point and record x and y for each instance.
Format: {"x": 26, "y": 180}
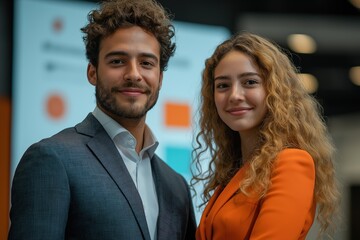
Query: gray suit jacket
{"x": 74, "y": 185}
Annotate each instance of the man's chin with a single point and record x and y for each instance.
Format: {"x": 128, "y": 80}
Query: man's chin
{"x": 131, "y": 113}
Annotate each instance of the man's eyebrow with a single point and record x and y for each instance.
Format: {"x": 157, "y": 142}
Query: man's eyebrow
{"x": 150, "y": 55}
{"x": 116, "y": 53}
{"x": 123, "y": 53}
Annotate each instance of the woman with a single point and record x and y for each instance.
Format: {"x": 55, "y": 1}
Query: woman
{"x": 270, "y": 168}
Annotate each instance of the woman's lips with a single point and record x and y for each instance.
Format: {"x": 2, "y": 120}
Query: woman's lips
{"x": 238, "y": 110}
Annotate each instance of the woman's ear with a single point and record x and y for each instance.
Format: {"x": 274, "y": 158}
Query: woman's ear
{"x": 91, "y": 74}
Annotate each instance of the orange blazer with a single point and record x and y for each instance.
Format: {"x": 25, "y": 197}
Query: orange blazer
{"x": 285, "y": 213}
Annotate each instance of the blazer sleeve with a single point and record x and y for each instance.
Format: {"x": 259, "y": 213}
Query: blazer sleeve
{"x": 40, "y": 196}
{"x": 289, "y": 204}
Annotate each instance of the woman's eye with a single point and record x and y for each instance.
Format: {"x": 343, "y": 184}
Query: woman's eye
{"x": 251, "y": 82}
{"x": 221, "y": 85}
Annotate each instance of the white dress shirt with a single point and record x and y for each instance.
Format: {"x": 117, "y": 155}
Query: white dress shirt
{"x": 138, "y": 165}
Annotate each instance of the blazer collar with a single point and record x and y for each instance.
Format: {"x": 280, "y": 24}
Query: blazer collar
{"x": 104, "y": 149}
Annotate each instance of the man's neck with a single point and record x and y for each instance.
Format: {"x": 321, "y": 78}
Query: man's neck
{"x": 137, "y": 128}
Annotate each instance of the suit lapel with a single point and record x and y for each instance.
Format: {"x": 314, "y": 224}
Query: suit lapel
{"x": 106, "y": 152}
{"x": 166, "y": 200}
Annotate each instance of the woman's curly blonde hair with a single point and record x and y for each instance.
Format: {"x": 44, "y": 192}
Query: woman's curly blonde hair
{"x": 294, "y": 120}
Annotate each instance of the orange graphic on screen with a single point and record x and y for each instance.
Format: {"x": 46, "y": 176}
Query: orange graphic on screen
{"x": 55, "y": 106}
{"x": 58, "y": 25}
{"x": 177, "y": 115}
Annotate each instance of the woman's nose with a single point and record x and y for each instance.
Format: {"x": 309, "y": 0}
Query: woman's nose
{"x": 236, "y": 93}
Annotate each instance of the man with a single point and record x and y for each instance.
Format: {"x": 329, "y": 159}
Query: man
{"x": 101, "y": 179}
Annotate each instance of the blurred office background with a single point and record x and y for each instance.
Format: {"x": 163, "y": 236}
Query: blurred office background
{"x": 323, "y": 37}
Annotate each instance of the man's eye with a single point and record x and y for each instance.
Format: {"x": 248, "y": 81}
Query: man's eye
{"x": 116, "y": 61}
{"x": 147, "y": 64}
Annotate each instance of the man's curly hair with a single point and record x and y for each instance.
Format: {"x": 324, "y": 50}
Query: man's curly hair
{"x": 115, "y": 14}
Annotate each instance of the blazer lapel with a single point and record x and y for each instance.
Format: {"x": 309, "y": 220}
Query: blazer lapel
{"x": 105, "y": 150}
{"x": 220, "y": 198}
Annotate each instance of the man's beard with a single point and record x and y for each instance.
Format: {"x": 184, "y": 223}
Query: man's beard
{"x": 107, "y": 100}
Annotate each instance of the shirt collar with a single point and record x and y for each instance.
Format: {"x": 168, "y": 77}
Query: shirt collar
{"x": 113, "y": 129}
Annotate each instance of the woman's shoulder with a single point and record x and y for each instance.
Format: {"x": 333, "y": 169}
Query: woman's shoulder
{"x": 295, "y": 157}
{"x": 294, "y": 152}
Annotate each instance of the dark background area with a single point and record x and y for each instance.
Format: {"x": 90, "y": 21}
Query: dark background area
{"x": 355, "y": 211}
{"x": 226, "y": 12}
{"x": 6, "y": 31}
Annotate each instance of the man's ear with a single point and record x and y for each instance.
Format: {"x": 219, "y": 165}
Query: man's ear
{"x": 91, "y": 74}
{"x": 161, "y": 79}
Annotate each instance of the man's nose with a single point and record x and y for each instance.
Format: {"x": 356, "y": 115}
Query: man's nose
{"x": 132, "y": 72}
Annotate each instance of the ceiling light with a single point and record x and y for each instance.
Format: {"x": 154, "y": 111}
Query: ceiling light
{"x": 309, "y": 82}
{"x": 354, "y": 75}
{"x": 356, "y": 3}
{"x": 301, "y": 43}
